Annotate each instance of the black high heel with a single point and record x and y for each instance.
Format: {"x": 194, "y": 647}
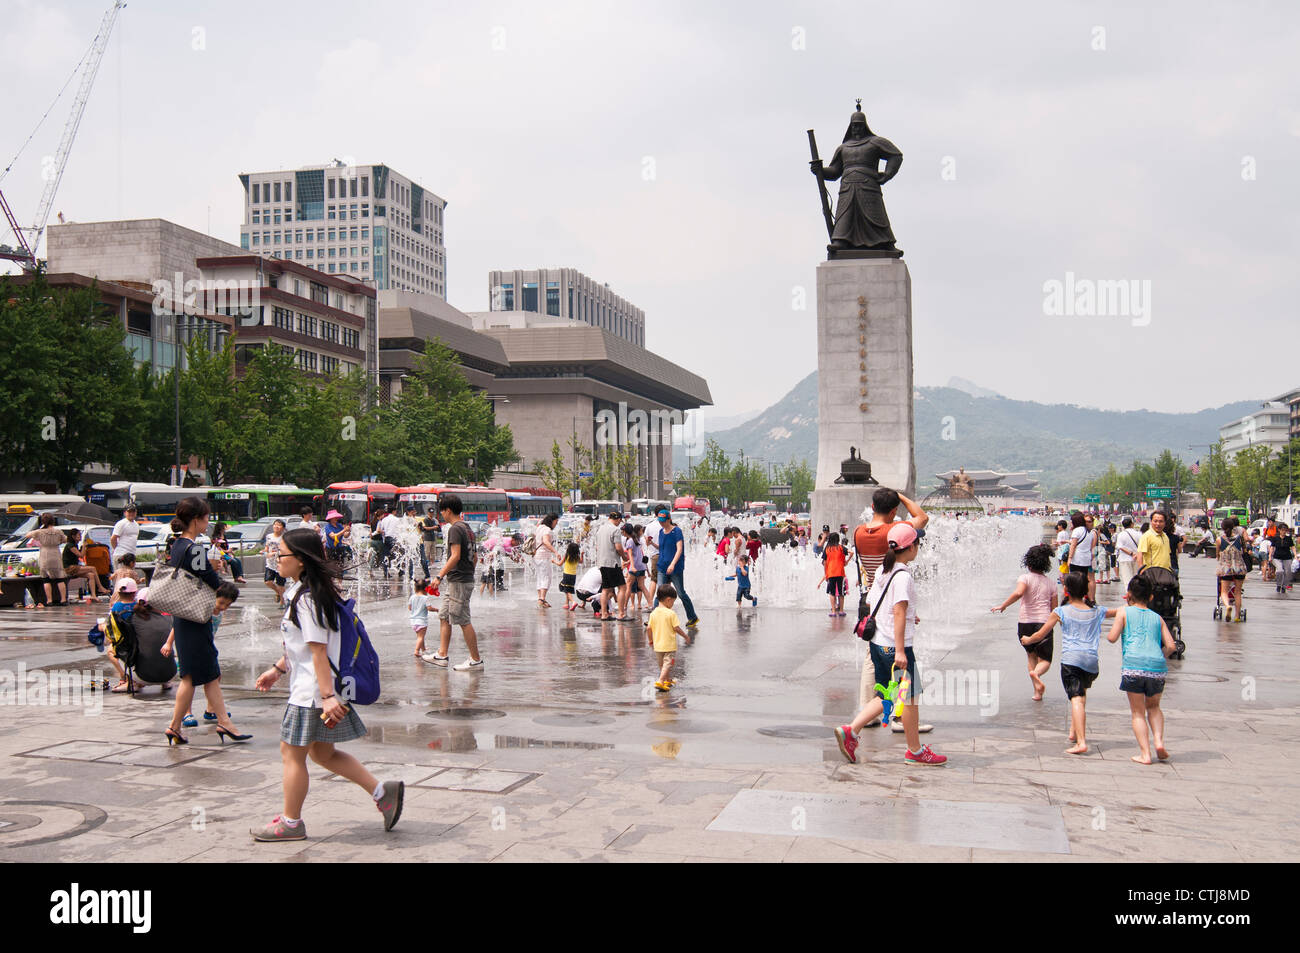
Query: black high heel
{"x": 223, "y": 734}
{"x": 175, "y": 738}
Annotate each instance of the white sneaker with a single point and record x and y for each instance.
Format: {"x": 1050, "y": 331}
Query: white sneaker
{"x": 435, "y": 659}
{"x": 897, "y": 727}
{"x": 469, "y": 665}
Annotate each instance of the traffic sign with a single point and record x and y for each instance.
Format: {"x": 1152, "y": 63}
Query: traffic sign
{"x": 1160, "y": 493}
{"x": 1092, "y": 498}
{"x": 585, "y": 474}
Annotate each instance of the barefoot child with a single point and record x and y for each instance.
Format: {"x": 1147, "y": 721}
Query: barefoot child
{"x": 315, "y": 719}
{"x": 1146, "y": 644}
{"x": 569, "y": 574}
{"x": 1080, "y": 637}
{"x": 1037, "y": 596}
{"x": 833, "y": 575}
{"x": 661, "y": 634}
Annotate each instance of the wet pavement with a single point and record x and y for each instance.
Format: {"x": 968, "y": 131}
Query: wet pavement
{"x": 561, "y": 749}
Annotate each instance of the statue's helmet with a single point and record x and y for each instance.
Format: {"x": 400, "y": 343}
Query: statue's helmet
{"x": 858, "y": 128}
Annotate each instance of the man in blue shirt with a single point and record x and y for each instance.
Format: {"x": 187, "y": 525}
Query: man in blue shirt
{"x": 672, "y": 561}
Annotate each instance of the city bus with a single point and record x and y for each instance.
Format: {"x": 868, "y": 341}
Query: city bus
{"x": 697, "y": 504}
{"x": 524, "y": 505}
{"x": 249, "y": 502}
{"x": 1221, "y": 513}
{"x": 479, "y": 504}
{"x": 359, "y": 501}
{"x": 759, "y": 507}
{"x": 596, "y": 508}
{"x": 153, "y": 501}
{"x": 643, "y": 506}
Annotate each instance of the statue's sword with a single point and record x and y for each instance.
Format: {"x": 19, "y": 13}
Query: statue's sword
{"x": 821, "y": 185}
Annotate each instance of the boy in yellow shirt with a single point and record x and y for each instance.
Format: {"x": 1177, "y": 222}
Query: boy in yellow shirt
{"x": 661, "y": 633}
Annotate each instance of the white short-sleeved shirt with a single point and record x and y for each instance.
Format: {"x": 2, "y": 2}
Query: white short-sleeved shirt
{"x": 1082, "y": 552}
{"x": 128, "y": 534}
{"x": 902, "y": 589}
{"x": 590, "y": 581}
{"x": 543, "y": 535}
{"x": 1127, "y": 539}
{"x": 303, "y": 690}
{"x": 390, "y": 525}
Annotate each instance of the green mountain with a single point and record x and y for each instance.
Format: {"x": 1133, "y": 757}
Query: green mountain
{"x": 1068, "y": 443}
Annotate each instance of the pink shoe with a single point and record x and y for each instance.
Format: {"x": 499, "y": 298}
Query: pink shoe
{"x": 847, "y": 742}
{"x": 278, "y": 830}
{"x": 924, "y": 756}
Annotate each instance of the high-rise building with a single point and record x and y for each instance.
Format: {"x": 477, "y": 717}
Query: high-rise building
{"x": 563, "y": 294}
{"x": 1269, "y": 426}
{"x": 367, "y": 221}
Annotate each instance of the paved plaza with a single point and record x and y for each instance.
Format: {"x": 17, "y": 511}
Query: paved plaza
{"x": 561, "y": 750}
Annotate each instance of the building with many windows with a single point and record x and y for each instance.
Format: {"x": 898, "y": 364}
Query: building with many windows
{"x": 1269, "y": 426}
{"x": 368, "y": 222}
{"x": 329, "y": 321}
{"x": 559, "y": 294}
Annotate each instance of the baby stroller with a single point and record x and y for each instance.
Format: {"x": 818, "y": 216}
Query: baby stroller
{"x": 1232, "y": 599}
{"x": 1166, "y": 600}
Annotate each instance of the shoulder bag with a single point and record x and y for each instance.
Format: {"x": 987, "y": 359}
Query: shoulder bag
{"x": 180, "y": 593}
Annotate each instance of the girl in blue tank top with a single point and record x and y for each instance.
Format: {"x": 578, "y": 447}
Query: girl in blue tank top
{"x": 1146, "y": 644}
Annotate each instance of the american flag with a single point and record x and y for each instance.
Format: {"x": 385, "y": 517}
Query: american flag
{"x": 1196, "y": 468}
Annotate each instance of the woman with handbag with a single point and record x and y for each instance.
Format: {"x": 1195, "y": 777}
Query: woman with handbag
{"x": 188, "y": 593}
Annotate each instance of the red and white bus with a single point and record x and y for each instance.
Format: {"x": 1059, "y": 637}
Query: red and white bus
{"x": 697, "y": 504}
{"x": 360, "y": 501}
{"x": 479, "y": 504}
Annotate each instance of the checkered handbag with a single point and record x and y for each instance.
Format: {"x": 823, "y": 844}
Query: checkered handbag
{"x": 182, "y": 594}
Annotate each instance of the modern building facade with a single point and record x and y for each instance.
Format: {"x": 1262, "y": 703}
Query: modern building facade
{"x": 561, "y": 294}
{"x": 368, "y": 222}
{"x": 407, "y": 321}
{"x": 330, "y": 322}
{"x": 1269, "y": 426}
{"x": 1292, "y": 401}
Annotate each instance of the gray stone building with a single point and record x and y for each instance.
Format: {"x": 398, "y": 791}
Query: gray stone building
{"x": 560, "y": 294}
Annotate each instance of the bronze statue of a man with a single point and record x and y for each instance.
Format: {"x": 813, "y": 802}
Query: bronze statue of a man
{"x": 860, "y": 218}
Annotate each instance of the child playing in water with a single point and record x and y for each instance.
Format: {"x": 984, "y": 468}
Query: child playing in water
{"x": 1080, "y": 637}
{"x": 1146, "y": 644}
{"x": 1037, "y": 596}
{"x": 833, "y": 576}
{"x": 569, "y": 574}
{"x": 661, "y": 631}
{"x": 418, "y": 606}
{"x": 743, "y": 582}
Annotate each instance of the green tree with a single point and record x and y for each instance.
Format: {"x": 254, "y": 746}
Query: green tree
{"x": 214, "y": 423}
{"x": 1250, "y": 477}
{"x": 438, "y": 429}
{"x": 801, "y": 480}
{"x": 1215, "y": 478}
{"x": 555, "y": 474}
{"x": 70, "y": 397}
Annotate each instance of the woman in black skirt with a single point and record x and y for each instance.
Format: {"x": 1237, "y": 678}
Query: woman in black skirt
{"x": 196, "y": 651}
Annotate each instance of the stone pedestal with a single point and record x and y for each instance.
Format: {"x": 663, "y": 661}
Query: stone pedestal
{"x": 864, "y": 371}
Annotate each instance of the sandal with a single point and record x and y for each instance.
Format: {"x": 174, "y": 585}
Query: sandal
{"x": 123, "y": 687}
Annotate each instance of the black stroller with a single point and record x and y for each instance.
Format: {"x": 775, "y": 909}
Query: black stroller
{"x": 1166, "y": 601}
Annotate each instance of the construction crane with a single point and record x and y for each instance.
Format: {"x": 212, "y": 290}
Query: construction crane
{"x": 29, "y": 239}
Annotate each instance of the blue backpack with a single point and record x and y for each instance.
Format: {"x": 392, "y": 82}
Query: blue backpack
{"x": 356, "y": 680}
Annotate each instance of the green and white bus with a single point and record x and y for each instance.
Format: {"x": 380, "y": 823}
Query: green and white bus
{"x": 250, "y": 502}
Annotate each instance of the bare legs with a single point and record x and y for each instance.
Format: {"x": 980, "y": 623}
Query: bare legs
{"x": 1037, "y": 668}
{"x": 1146, "y": 711}
{"x": 444, "y": 639}
{"x": 1078, "y": 725}
{"x": 294, "y": 759}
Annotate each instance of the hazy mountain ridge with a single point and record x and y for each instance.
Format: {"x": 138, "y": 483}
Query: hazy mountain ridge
{"x": 1070, "y": 444}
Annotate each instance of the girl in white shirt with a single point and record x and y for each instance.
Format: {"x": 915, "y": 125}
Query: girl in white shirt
{"x": 315, "y": 719}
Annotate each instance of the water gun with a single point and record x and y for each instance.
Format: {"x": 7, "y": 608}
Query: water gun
{"x": 729, "y": 578}
{"x": 904, "y": 691}
{"x": 889, "y": 698}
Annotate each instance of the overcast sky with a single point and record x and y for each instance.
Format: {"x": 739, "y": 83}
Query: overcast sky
{"x": 661, "y": 147}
